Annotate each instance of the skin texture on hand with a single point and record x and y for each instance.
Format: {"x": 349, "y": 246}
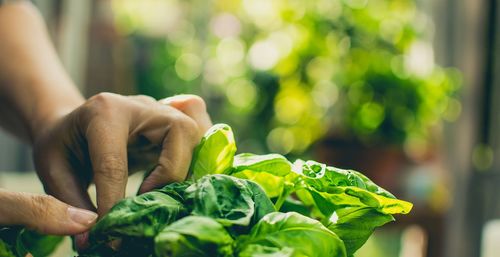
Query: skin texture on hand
{"x": 43, "y": 213}
{"x": 111, "y": 136}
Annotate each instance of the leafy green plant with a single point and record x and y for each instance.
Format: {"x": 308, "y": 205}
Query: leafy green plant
{"x": 246, "y": 205}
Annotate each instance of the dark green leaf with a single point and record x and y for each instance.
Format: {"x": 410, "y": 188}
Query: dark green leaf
{"x": 262, "y": 204}
{"x": 228, "y": 200}
{"x": 141, "y": 216}
{"x": 176, "y": 190}
{"x": 8, "y": 240}
{"x": 194, "y": 236}
{"x": 293, "y": 205}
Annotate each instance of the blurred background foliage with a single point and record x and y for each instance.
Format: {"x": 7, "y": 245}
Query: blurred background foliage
{"x": 287, "y": 73}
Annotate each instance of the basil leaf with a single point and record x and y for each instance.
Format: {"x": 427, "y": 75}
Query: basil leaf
{"x": 355, "y": 225}
{"x": 215, "y": 153}
{"x": 272, "y": 185}
{"x": 18, "y": 242}
{"x": 332, "y": 188}
{"x": 141, "y": 216}
{"x": 349, "y": 196}
{"x": 266, "y": 170}
{"x": 5, "y": 249}
{"x": 306, "y": 236}
{"x": 194, "y": 236}
{"x": 262, "y": 203}
{"x": 322, "y": 177}
{"x": 256, "y": 250}
{"x": 8, "y": 241}
{"x": 37, "y": 244}
{"x": 176, "y": 190}
{"x": 228, "y": 200}
{"x": 274, "y": 164}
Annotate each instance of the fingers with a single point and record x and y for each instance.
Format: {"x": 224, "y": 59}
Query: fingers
{"x": 43, "y": 213}
{"x": 177, "y": 148}
{"x": 107, "y": 143}
{"x": 58, "y": 178}
{"x": 193, "y": 106}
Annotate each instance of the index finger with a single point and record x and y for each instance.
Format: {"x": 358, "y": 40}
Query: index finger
{"x": 107, "y": 144}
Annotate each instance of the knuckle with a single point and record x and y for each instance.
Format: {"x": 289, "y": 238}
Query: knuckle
{"x": 102, "y": 104}
{"x": 103, "y": 97}
{"x": 103, "y": 101}
{"x": 187, "y": 126}
{"x": 144, "y": 98}
{"x": 112, "y": 167}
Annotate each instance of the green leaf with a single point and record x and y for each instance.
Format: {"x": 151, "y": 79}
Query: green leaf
{"x": 176, "y": 190}
{"x": 266, "y": 170}
{"x": 308, "y": 237}
{"x": 6, "y": 249}
{"x": 228, "y": 200}
{"x": 263, "y": 204}
{"x": 272, "y": 185}
{"x": 141, "y": 216}
{"x": 215, "y": 153}
{"x": 294, "y": 205}
{"x": 349, "y": 196}
{"x": 256, "y": 250}
{"x": 37, "y": 244}
{"x": 194, "y": 236}
{"x": 332, "y": 188}
{"x": 18, "y": 242}
{"x": 322, "y": 177}
{"x": 274, "y": 164}
{"x": 8, "y": 241}
{"x": 355, "y": 225}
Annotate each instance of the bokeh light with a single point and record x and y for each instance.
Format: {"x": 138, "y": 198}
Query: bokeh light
{"x": 363, "y": 69}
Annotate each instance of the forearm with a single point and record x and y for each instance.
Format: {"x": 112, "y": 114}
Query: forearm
{"x": 35, "y": 90}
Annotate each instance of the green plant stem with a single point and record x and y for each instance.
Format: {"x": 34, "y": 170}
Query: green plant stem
{"x": 281, "y": 200}
{"x": 287, "y": 191}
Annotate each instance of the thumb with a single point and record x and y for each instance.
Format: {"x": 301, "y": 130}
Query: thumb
{"x": 43, "y": 213}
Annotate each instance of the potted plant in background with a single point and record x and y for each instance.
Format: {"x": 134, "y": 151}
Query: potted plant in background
{"x": 352, "y": 83}
{"x": 358, "y": 70}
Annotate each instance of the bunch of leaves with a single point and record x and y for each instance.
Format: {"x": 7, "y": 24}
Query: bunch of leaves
{"x": 346, "y": 201}
{"x": 242, "y": 205}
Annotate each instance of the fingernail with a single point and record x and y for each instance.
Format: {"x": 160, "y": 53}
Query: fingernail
{"x": 82, "y": 216}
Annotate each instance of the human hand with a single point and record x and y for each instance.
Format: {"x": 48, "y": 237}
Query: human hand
{"x": 43, "y": 213}
{"x": 110, "y": 136}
